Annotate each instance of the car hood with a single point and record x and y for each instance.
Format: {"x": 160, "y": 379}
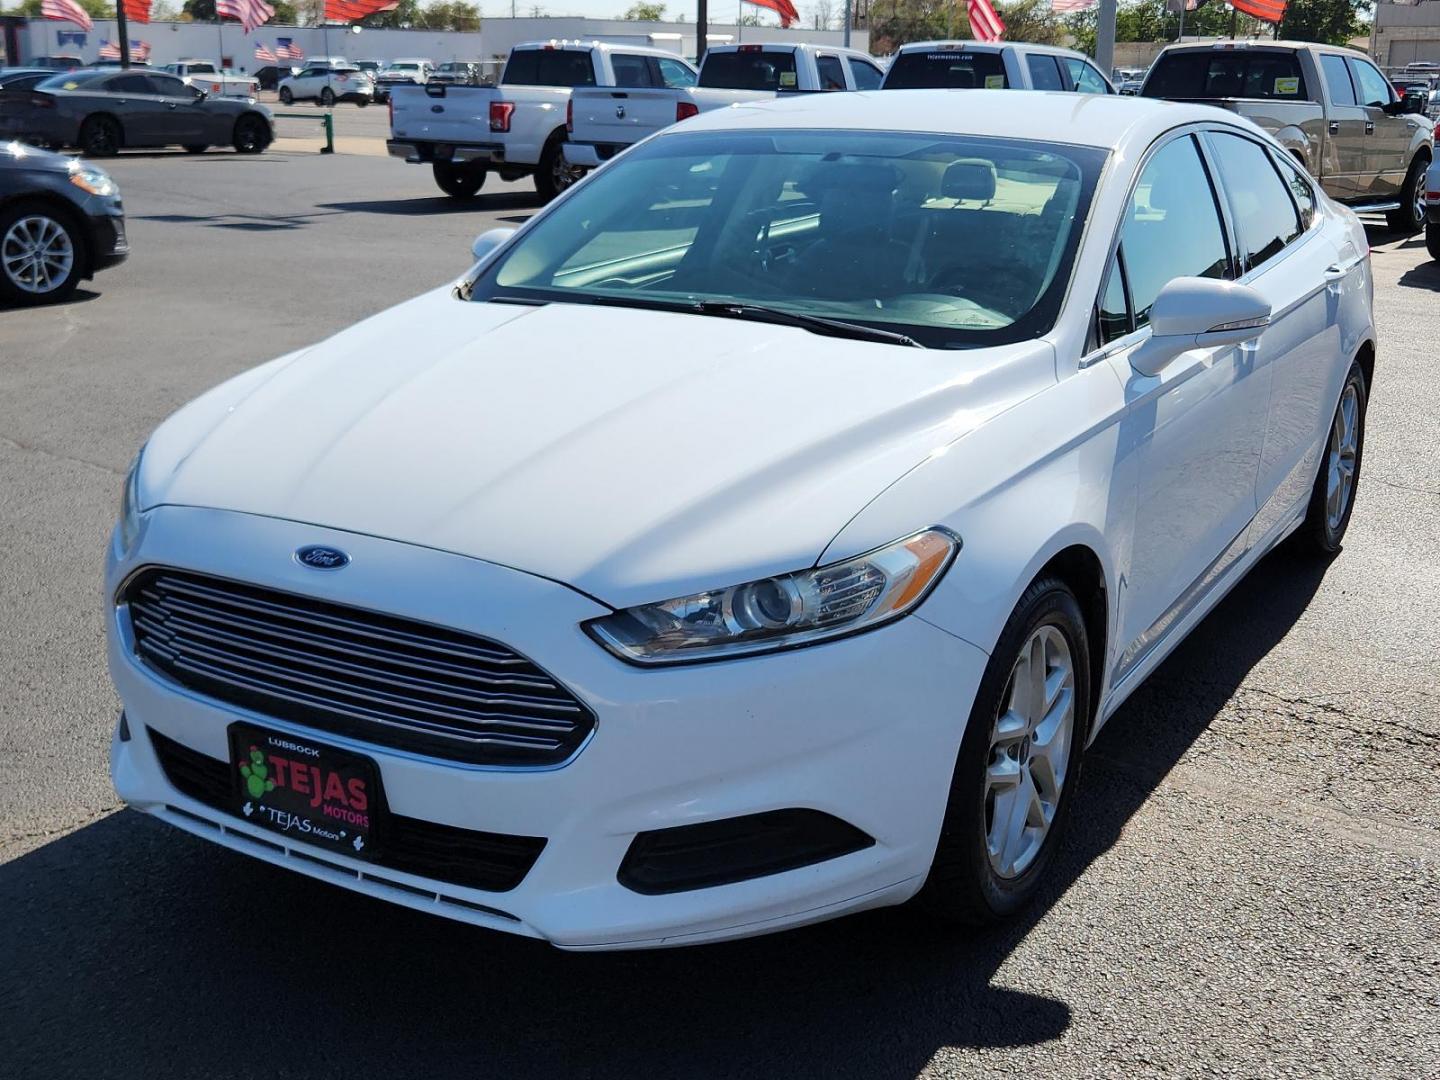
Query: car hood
{"x": 18, "y": 157}
{"x": 632, "y": 454}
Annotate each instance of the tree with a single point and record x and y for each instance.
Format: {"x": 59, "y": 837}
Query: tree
{"x": 824, "y": 15}
{"x": 1334, "y": 22}
{"x": 1032, "y": 21}
{"x": 641, "y": 11}
{"x": 96, "y": 9}
{"x": 898, "y": 22}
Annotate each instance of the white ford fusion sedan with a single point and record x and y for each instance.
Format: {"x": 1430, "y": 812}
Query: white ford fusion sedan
{"x": 760, "y": 533}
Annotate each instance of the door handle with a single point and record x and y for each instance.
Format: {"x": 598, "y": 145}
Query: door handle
{"x": 1369, "y": 127}
{"x": 1334, "y": 127}
{"x": 172, "y": 105}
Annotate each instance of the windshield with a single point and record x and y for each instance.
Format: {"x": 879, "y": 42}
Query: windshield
{"x": 749, "y": 70}
{"x": 73, "y": 80}
{"x": 947, "y": 69}
{"x": 951, "y": 240}
{"x": 404, "y": 67}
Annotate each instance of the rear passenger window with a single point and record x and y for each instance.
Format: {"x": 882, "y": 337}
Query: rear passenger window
{"x": 1265, "y": 218}
{"x": 1337, "y": 79}
{"x": 832, "y": 75}
{"x": 866, "y": 76}
{"x": 129, "y": 84}
{"x": 565, "y": 67}
{"x": 523, "y": 68}
{"x": 630, "y": 71}
{"x": 1044, "y": 72}
{"x": 1172, "y": 227}
{"x": 1086, "y": 79}
{"x": 1300, "y": 187}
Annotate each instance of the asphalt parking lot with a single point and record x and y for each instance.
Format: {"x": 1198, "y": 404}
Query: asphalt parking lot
{"x": 1251, "y": 886}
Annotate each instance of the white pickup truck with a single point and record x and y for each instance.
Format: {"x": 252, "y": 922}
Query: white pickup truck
{"x": 604, "y": 121}
{"x": 518, "y": 127}
{"x": 214, "y": 80}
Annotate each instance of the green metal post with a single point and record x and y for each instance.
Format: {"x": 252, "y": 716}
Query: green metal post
{"x": 329, "y": 134}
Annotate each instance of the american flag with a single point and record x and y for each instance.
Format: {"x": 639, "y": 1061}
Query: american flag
{"x": 249, "y": 13}
{"x": 1066, "y": 7}
{"x": 286, "y": 49}
{"x": 109, "y": 50}
{"x": 136, "y": 10}
{"x": 66, "y": 11}
{"x": 263, "y": 52}
{"x": 784, "y": 8}
{"x": 1268, "y": 10}
{"x": 140, "y": 50}
{"x": 985, "y": 21}
{"x": 353, "y": 10}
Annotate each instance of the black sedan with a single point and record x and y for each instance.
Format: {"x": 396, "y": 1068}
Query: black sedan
{"x": 23, "y": 78}
{"x": 270, "y": 75}
{"x": 102, "y": 111}
{"x": 60, "y": 221}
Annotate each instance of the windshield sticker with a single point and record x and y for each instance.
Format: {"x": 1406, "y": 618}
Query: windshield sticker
{"x": 1288, "y": 85}
{"x": 71, "y": 85}
{"x": 787, "y": 78}
{"x": 994, "y": 82}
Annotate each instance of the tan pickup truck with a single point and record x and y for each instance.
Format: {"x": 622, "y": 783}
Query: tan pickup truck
{"x": 1330, "y": 107}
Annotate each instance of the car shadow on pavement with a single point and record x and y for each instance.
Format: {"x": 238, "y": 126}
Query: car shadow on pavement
{"x": 1425, "y": 276}
{"x": 135, "y": 950}
{"x": 443, "y": 204}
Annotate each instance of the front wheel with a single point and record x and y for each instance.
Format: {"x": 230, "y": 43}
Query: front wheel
{"x": 1409, "y": 218}
{"x": 1018, "y": 765}
{"x": 286, "y": 97}
{"x": 459, "y": 181}
{"x": 1333, "y": 496}
{"x": 554, "y": 174}
{"x": 40, "y": 255}
{"x": 100, "y": 137}
{"x": 250, "y": 134}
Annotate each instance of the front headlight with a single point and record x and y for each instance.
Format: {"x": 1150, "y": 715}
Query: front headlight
{"x": 782, "y": 612}
{"x": 129, "y": 526}
{"x": 94, "y": 181}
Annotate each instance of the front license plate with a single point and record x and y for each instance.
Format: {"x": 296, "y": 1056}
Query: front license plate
{"x": 306, "y": 790}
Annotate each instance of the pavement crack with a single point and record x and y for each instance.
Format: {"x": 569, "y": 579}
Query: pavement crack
{"x": 1402, "y": 487}
{"x": 31, "y": 448}
{"x": 60, "y": 830}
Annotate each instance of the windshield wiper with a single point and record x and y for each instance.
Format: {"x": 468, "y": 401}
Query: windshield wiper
{"x": 739, "y": 309}
{"x": 816, "y": 324}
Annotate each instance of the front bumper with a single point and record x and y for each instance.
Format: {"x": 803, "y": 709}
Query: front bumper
{"x": 865, "y": 729}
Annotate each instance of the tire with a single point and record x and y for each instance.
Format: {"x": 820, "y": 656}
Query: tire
{"x": 22, "y": 279}
{"x": 968, "y": 882}
{"x": 1432, "y": 240}
{"x": 552, "y": 175}
{"x": 459, "y": 181}
{"x": 100, "y": 136}
{"x": 197, "y": 148}
{"x": 327, "y": 97}
{"x": 1323, "y": 531}
{"x": 286, "y": 97}
{"x": 362, "y": 102}
{"x": 1410, "y": 218}
{"x": 251, "y": 137}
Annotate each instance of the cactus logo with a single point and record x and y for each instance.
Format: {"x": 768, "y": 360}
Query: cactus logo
{"x": 256, "y": 774}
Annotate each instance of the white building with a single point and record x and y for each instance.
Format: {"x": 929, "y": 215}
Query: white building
{"x": 170, "y": 41}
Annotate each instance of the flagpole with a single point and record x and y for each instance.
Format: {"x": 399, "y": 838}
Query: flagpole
{"x": 1181, "y": 35}
{"x": 739, "y": 21}
{"x": 848, "y": 21}
{"x": 220, "y": 40}
{"x": 123, "y": 28}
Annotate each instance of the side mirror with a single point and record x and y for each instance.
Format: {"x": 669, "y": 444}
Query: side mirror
{"x": 200, "y": 95}
{"x": 1199, "y": 313}
{"x": 487, "y": 242}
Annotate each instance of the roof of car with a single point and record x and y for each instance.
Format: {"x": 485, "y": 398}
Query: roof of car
{"x": 982, "y": 46}
{"x": 1258, "y": 44}
{"x": 1103, "y": 120}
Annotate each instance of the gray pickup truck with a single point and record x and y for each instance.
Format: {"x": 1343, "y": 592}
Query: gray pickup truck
{"x": 1331, "y": 108}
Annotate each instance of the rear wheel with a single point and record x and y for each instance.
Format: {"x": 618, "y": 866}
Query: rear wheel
{"x": 1410, "y": 217}
{"x": 1019, "y": 763}
{"x": 250, "y": 134}
{"x": 327, "y": 97}
{"x": 40, "y": 255}
{"x": 553, "y": 175}
{"x": 286, "y": 97}
{"x": 459, "y": 181}
{"x": 1333, "y": 497}
{"x": 100, "y": 137}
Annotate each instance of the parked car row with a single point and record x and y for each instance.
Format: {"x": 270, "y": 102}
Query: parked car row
{"x": 648, "y": 664}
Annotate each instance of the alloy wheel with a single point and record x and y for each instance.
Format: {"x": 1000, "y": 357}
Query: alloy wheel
{"x": 1344, "y": 441}
{"x": 1029, "y": 752}
{"x": 37, "y": 254}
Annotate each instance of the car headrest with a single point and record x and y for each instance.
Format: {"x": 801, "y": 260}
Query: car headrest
{"x": 851, "y": 179}
{"x": 969, "y": 180}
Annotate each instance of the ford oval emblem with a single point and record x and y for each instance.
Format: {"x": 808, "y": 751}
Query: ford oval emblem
{"x": 319, "y": 557}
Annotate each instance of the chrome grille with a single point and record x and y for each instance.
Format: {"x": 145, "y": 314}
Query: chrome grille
{"x": 361, "y": 674}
